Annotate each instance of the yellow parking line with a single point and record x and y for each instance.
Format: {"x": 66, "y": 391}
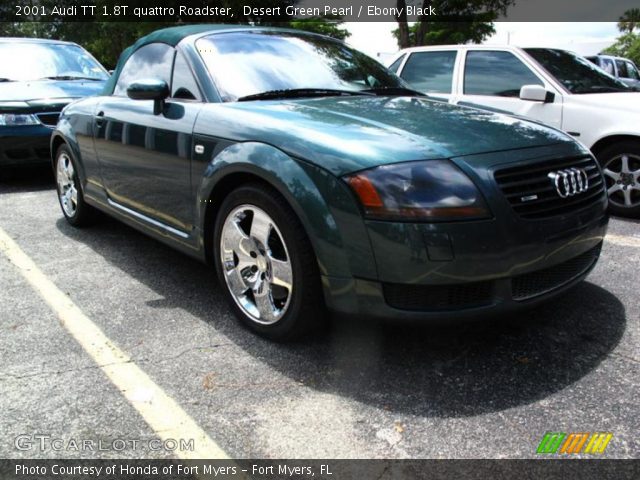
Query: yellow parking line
{"x": 622, "y": 240}
{"x": 167, "y": 419}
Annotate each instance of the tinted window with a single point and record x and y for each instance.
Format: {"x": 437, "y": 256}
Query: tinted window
{"x": 249, "y": 63}
{"x": 151, "y": 61}
{"x": 607, "y": 66}
{"x": 32, "y": 61}
{"x": 622, "y": 69}
{"x": 396, "y": 65}
{"x": 184, "y": 86}
{"x": 430, "y": 72}
{"x": 575, "y": 73}
{"x": 632, "y": 71}
{"x": 496, "y": 73}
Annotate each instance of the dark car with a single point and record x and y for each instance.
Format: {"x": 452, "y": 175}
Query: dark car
{"x": 311, "y": 177}
{"x": 37, "y": 79}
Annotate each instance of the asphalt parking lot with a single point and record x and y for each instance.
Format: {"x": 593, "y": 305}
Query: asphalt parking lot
{"x": 360, "y": 391}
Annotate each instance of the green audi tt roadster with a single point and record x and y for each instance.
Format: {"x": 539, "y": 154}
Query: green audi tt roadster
{"x": 314, "y": 180}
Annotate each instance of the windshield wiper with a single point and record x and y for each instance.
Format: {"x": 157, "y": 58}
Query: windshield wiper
{"x": 301, "y": 93}
{"x": 70, "y": 77}
{"x": 395, "y": 91}
{"x": 2, "y": 80}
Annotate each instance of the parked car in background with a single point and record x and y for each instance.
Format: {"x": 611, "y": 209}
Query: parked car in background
{"x": 621, "y": 68}
{"x": 552, "y": 86}
{"x": 37, "y": 79}
{"x": 311, "y": 176}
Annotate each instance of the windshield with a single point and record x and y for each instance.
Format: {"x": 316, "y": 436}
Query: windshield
{"x": 40, "y": 60}
{"x": 577, "y": 74}
{"x": 248, "y": 63}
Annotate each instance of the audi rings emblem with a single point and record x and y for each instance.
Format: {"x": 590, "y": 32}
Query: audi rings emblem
{"x": 569, "y": 182}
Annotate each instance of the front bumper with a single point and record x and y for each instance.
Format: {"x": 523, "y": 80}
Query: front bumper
{"x": 440, "y": 271}
{"x": 548, "y": 275}
{"x": 25, "y": 145}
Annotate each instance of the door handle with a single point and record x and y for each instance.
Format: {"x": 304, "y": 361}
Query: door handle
{"x": 99, "y": 118}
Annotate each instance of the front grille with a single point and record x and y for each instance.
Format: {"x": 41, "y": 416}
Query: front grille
{"x": 530, "y": 285}
{"x": 533, "y": 195}
{"x": 49, "y": 119}
{"x": 438, "y": 297}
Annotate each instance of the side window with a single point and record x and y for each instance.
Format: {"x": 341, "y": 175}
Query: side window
{"x": 430, "y": 72}
{"x": 622, "y": 69}
{"x": 396, "y": 65}
{"x": 633, "y": 71}
{"x": 607, "y": 66}
{"x": 496, "y": 73}
{"x": 184, "y": 86}
{"x": 151, "y": 61}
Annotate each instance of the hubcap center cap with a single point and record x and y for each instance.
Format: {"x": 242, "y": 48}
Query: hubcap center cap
{"x": 626, "y": 179}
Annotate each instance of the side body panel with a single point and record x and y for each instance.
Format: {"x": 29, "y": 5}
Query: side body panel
{"x": 145, "y": 158}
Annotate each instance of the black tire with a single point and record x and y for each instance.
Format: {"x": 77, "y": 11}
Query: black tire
{"x": 83, "y": 214}
{"x": 610, "y": 159}
{"x": 305, "y": 310}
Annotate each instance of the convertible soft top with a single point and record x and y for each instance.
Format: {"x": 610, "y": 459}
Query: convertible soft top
{"x": 171, "y": 36}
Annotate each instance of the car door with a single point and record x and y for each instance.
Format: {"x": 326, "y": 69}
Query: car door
{"x": 431, "y": 72}
{"x": 145, "y": 158}
{"x": 493, "y": 78}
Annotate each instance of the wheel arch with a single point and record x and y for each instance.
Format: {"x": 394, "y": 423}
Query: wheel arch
{"x": 56, "y": 141}
{"x": 609, "y": 140}
{"x": 256, "y": 162}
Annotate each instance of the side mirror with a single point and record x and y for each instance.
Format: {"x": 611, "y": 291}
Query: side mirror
{"x": 151, "y": 89}
{"x": 536, "y": 93}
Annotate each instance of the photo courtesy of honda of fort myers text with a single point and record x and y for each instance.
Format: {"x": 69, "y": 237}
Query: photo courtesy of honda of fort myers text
{"x": 319, "y": 239}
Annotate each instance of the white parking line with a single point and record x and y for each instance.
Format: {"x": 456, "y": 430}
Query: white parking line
{"x": 167, "y": 419}
{"x": 622, "y": 240}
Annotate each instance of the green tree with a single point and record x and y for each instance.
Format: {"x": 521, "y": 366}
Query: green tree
{"x": 629, "y": 21}
{"x": 458, "y": 21}
{"x": 107, "y": 39}
{"x": 628, "y": 44}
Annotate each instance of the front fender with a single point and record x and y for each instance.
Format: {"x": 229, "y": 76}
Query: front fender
{"x": 323, "y": 204}
{"x": 63, "y": 134}
{"x": 75, "y": 129}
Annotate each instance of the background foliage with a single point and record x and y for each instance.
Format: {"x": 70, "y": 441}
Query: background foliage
{"x": 628, "y": 44}
{"x": 471, "y": 21}
{"x": 106, "y": 40}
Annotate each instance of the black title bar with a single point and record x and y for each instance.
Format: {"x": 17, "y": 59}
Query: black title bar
{"x": 233, "y": 11}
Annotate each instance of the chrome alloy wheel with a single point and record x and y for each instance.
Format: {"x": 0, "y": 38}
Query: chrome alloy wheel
{"x": 622, "y": 174}
{"x": 256, "y": 264}
{"x": 67, "y": 190}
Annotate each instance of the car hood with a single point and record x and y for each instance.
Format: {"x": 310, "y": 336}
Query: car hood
{"x": 621, "y": 101}
{"x": 345, "y": 134}
{"x": 37, "y": 93}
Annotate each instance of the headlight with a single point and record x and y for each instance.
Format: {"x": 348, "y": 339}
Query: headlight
{"x": 12, "y": 120}
{"x": 434, "y": 190}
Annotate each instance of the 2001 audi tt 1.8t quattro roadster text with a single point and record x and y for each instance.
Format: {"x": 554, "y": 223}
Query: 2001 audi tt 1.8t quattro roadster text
{"x": 311, "y": 177}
